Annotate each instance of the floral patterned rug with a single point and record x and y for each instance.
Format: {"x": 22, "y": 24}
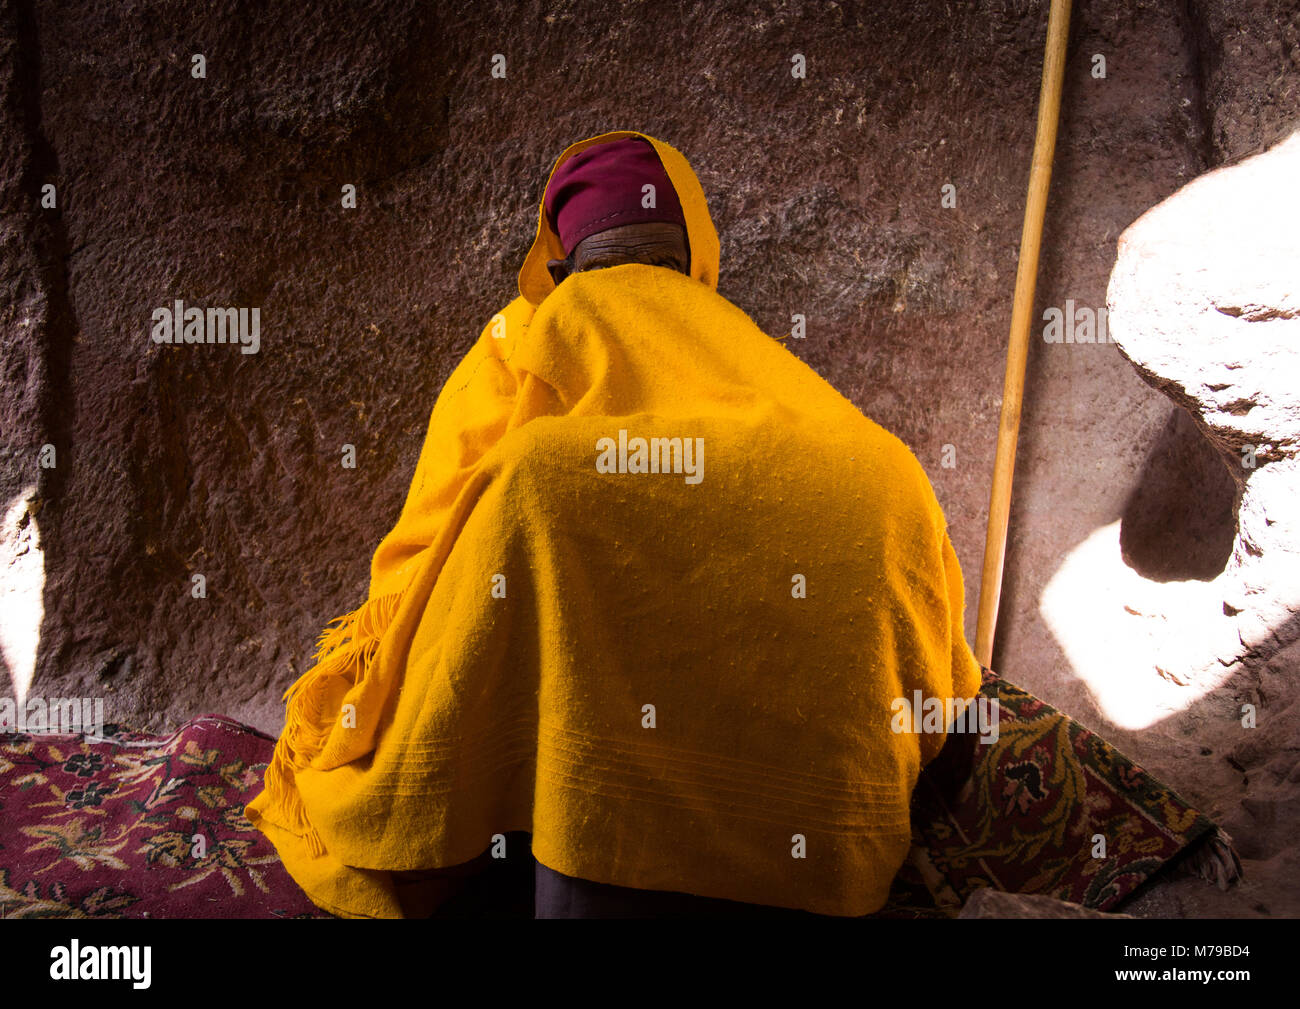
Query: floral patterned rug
{"x": 139, "y": 826}
{"x": 1048, "y": 808}
{"x": 152, "y": 826}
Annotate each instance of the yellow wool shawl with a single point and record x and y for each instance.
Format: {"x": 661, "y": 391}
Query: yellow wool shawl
{"x": 673, "y": 683}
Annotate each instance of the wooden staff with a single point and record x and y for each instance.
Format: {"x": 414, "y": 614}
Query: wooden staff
{"x": 1013, "y": 387}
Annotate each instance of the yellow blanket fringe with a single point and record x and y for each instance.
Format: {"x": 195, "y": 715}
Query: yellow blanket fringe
{"x": 346, "y": 649}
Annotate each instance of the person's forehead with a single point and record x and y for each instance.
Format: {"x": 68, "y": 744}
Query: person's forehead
{"x": 650, "y": 232}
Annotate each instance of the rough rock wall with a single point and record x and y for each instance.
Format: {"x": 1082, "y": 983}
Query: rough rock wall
{"x": 226, "y": 191}
{"x": 1204, "y": 302}
{"x": 1248, "y": 64}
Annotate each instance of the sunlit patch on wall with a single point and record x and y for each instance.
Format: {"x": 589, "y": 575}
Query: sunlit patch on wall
{"x": 22, "y": 589}
{"x": 1145, "y": 649}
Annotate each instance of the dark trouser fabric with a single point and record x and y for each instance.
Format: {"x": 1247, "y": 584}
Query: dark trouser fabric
{"x": 560, "y": 896}
{"x": 519, "y": 886}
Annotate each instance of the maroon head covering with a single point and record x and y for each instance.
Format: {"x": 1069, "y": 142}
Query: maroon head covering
{"x": 600, "y": 188}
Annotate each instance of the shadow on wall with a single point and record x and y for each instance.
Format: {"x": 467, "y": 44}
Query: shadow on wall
{"x": 1181, "y": 519}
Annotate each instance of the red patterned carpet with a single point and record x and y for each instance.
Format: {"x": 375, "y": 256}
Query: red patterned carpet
{"x": 110, "y": 829}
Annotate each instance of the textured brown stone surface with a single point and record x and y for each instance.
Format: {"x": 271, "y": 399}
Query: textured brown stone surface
{"x": 226, "y": 191}
{"x": 826, "y": 192}
{"x": 1248, "y": 63}
{"x": 996, "y": 904}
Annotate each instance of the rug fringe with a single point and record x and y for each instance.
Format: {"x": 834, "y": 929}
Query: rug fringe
{"x": 1212, "y": 857}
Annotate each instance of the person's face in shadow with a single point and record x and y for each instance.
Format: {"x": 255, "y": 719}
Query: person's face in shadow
{"x": 654, "y": 243}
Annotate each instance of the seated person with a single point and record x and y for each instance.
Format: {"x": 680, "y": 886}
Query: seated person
{"x": 652, "y": 599}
